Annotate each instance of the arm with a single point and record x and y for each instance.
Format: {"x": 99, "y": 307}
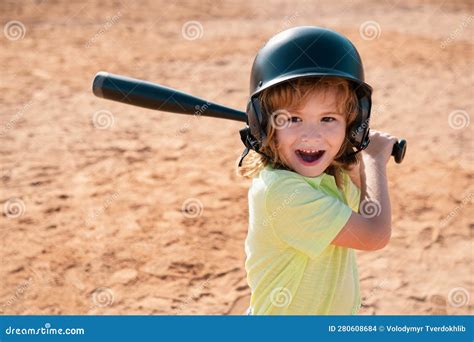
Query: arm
{"x": 363, "y": 231}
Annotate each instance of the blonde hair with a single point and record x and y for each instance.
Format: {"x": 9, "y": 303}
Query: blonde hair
{"x": 294, "y": 94}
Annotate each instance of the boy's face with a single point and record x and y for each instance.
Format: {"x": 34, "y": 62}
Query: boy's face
{"x": 313, "y": 135}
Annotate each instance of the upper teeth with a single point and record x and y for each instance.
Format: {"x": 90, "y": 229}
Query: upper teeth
{"x": 309, "y": 151}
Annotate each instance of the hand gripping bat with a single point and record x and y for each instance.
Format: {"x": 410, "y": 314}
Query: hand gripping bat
{"x": 155, "y": 96}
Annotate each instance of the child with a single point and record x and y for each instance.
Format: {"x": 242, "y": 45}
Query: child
{"x": 307, "y": 144}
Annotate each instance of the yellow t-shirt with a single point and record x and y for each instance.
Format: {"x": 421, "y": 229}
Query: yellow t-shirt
{"x": 292, "y": 268}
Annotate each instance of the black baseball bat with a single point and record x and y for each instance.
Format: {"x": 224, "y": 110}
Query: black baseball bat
{"x": 155, "y": 96}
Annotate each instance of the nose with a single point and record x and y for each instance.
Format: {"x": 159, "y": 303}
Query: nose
{"x": 312, "y": 132}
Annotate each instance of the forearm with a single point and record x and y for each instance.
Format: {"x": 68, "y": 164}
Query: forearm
{"x": 374, "y": 193}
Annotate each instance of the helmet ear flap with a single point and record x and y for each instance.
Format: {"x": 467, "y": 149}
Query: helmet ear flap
{"x": 253, "y": 135}
{"x": 359, "y": 132}
{"x": 257, "y": 122}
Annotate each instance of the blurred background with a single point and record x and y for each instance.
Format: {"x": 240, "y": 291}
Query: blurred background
{"x": 114, "y": 209}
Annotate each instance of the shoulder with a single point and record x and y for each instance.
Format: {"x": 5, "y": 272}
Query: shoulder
{"x": 281, "y": 186}
{"x": 278, "y": 179}
{"x": 270, "y": 176}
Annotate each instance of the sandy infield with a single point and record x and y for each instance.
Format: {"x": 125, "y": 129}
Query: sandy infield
{"x": 93, "y": 191}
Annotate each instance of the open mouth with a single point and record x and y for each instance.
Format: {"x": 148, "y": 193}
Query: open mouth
{"x": 309, "y": 156}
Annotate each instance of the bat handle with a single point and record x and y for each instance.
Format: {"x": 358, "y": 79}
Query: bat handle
{"x": 399, "y": 149}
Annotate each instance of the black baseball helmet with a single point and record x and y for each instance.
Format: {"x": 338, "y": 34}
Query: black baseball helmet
{"x": 305, "y": 51}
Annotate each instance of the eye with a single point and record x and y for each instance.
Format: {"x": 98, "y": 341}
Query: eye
{"x": 295, "y": 119}
{"x": 328, "y": 119}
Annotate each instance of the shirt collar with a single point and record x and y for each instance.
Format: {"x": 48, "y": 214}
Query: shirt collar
{"x": 317, "y": 181}
{"x": 322, "y": 179}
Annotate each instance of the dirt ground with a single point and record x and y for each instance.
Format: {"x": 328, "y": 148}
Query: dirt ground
{"x": 93, "y": 191}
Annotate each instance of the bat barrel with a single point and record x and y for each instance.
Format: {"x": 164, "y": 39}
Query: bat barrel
{"x": 155, "y": 96}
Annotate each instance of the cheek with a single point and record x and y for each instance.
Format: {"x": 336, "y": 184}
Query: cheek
{"x": 285, "y": 139}
{"x": 282, "y": 139}
{"x": 337, "y": 133}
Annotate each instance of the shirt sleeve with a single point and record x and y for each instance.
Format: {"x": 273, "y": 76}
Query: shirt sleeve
{"x": 305, "y": 218}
